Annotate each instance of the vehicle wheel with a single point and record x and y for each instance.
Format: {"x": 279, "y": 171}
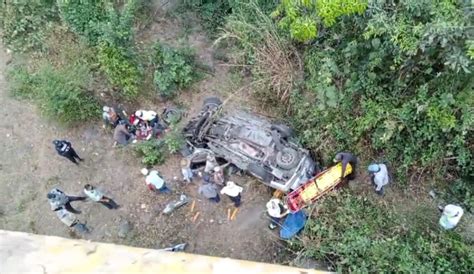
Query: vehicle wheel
{"x": 287, "y": 158}
{"x": 171, "y": 116}
{"x": 211, "y": 103}
{"x": 285, "y": 131}
{"x": 260, "y": 173}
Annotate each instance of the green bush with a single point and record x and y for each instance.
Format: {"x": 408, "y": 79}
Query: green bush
{"x": 355, "y": 234}
{"x": 84, "y": 17}
{"x": 121, "y": 69}
{"x": 151, "y": 151}
{"x": 25, "y": 24}
{"x": 174, "y": 140}
{"x": 174, "y": 69}
{"x": 376, "y": 88}
{"x": 62, "y": 93}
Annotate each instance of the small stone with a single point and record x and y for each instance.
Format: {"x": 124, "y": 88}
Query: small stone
{"x": 124, "y": 229}
{"x": 8, "y": 135}
{"x": 102, "y": 94}
{"x": 211, "y": 221}
{"x": 220, "y": 222}
{"x": 83, "y": 149}
{"x": 432, "y": 194}
{"x": 143, "y": 206}
{"x": 95, "y": 154}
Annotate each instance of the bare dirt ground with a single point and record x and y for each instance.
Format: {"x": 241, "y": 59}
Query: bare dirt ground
{"x": 30, "y": 167}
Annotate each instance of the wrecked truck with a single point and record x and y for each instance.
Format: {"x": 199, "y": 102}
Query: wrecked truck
{"x": 252, "y": 143}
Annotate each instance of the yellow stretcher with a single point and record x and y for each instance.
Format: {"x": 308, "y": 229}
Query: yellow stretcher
{"x": 316, "y": 187}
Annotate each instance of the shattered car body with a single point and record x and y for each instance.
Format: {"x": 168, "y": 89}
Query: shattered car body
{"x": 251, "y": 143}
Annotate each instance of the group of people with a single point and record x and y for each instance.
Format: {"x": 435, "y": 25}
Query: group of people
{"x": 141, "y": 125}
{"x": 60, "y": 203}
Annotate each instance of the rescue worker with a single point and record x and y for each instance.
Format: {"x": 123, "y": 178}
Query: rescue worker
{"x": 451, "y": 216}
{"x": 64, "y": 148}
{"x": 186, "y": 171}
{"x": 58, "y": 199}
{"x": 110, "y": 117}
{"x": 379, "y": 176}
{"x": 346, "y": 158}
{"x": 276, "y": 210}
{"x": 154, "y": 182}
{"x": 97, "y": 196}
{"x": 71, "y": 220}
{"x": 219, "y": 176}
{"x": 122, "y": 135}
{"x": 233, "y": 192}
{"x": 211, "y": 163}
{"x": 209, "y": 190}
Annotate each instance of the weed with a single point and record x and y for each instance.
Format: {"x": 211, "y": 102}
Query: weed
{"x": 151, "y": 151}
{"x": 174, "y": 69}
{"x": 62, "y": 93}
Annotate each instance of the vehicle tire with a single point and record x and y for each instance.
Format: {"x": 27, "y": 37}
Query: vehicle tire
{"x": 211, "y": 103}
{"x": 287, "y": 158}
{"x": 260, "y": 173}
{"x": 171, "y": 115}
{"x": 285, "y": 131}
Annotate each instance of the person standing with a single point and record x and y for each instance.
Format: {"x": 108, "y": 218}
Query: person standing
{"x": 219, "y": 176}
{"x": 58, "y": 199}
{"x": 64, "y": 148}
{"x": 233, "y": 191}
{"x": 211, "y": 163}
{"x": 71, "y": 221}
{"x": 154, "y": 181}
{"x": 276, "y": 210}
{"x": 186, "y": 171}
{"x": 97, "y": 196}
{"x": 379, "y": 177}
{"x": 209, "y": 190}
{"x": 346, "y": 158}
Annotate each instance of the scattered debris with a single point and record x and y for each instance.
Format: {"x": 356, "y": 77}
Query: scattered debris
{"x": 232, "y": 217}
{"x": 451, "y": 216}
{"x": 432, "y": 193}
{"x": 171, "y": 206}
{"x": 196, "y": 216}
{"x": 176, "y": 248}
{"x": 192, "y": 206}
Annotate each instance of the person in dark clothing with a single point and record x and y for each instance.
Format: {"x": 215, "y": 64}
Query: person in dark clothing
{"x": 347, "y": 158}
{"x": 58, "y": 200}
{"x": 64, "y": 148}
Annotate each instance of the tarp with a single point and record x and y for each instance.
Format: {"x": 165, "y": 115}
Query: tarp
{"x": 293, "y": 223}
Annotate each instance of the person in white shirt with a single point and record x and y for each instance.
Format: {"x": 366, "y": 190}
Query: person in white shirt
{"x": 154, "y": 182}
{"x": 233, "y": 191}
{"x": 379, "y": 176}
{"x": 97, "y": 196}
{"x": 276, "y": 210}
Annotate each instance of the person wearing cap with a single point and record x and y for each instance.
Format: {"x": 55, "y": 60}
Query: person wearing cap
{"x": 64, "y": 148}
{"x": 379, "y": 176}
{"x": 233, "y": 191}
{"x": 186, "y": 171}
{"x": 154, "y": 182}
{"x": 276, "y": 210}
{"x": 219, "y": 176}
{"x": 97, "y": 196}
{"x": 59, "y": 200}
{"x": 211, "y": 163}
{"x": 208, "y": 189}
{"x": 346, "y": 158}
{"x": 71, "y": 220}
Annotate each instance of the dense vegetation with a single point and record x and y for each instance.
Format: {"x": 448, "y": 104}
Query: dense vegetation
{"x": 390, "y": 80}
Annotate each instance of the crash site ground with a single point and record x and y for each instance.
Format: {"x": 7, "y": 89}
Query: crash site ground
{"x": 30, "y": 167}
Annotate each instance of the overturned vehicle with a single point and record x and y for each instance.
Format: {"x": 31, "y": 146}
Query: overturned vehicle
{"x": 251, "y": 143}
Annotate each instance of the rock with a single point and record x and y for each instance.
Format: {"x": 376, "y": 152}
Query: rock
{"x": 432, "y": 194}
{"x": 124, "y": 228}
{"x": 143, "y": 206}
{"x": 211, "y": 221}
